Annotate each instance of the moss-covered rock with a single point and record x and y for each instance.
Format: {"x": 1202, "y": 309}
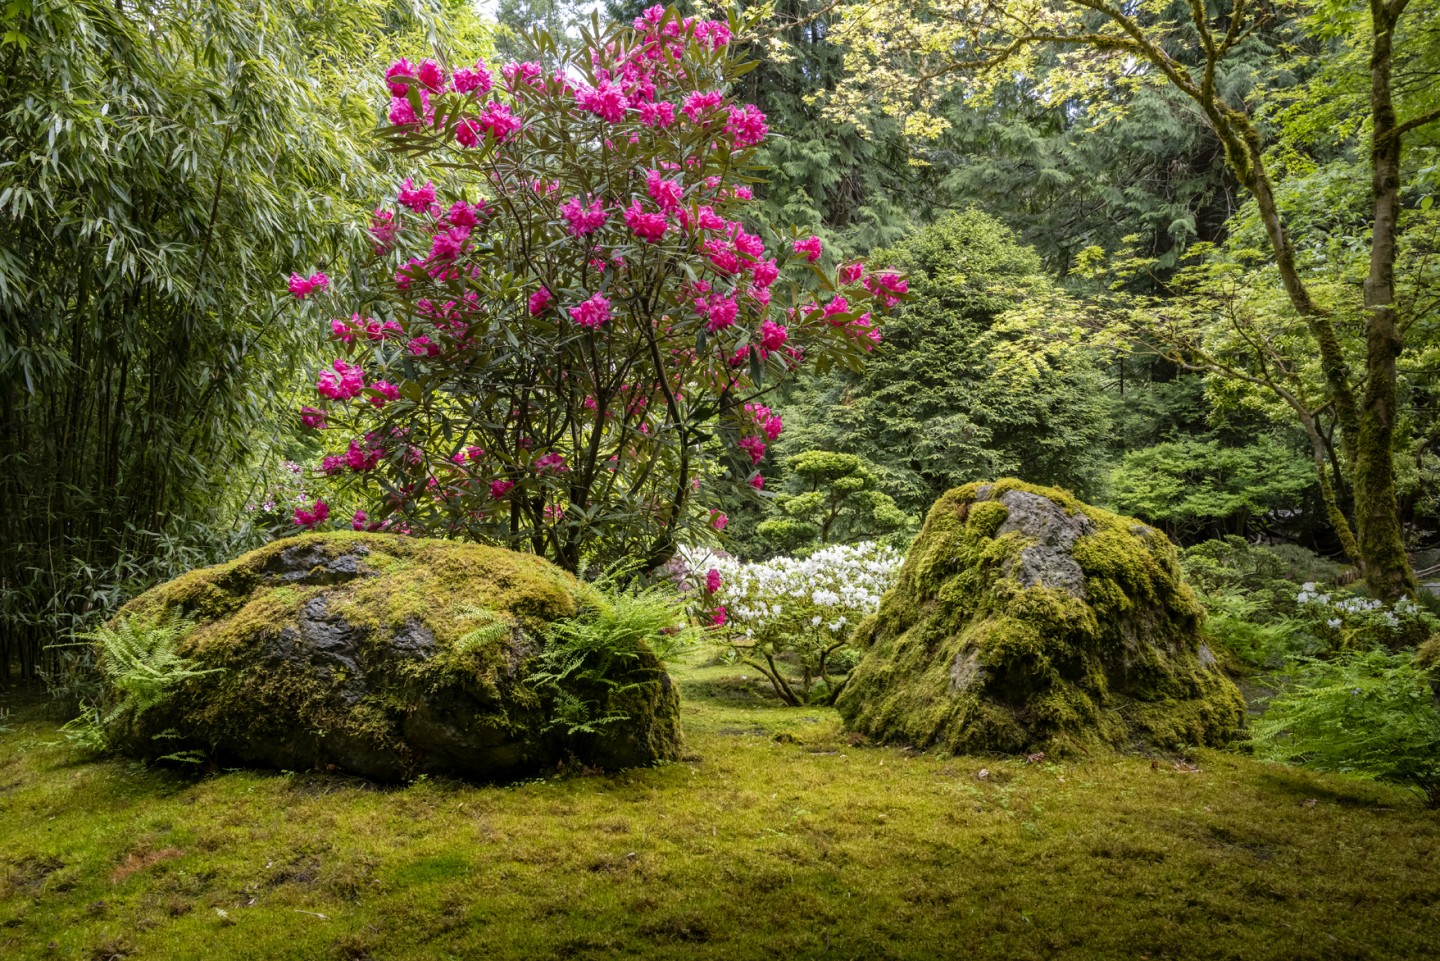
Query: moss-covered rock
{"x": 386, "y": 656}
{"x": 1024, "y": 620}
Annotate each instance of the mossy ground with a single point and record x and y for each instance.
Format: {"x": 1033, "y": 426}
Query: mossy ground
{"x": 778, "y": 839}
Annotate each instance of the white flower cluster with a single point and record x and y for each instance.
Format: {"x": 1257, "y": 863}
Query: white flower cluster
{"x": 830, "y": 590}
{"x": 1348, "y": 607}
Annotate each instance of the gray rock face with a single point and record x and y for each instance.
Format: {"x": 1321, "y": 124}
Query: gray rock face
{"x": 388, "y": 657}
{"x": 1048, "y": 561}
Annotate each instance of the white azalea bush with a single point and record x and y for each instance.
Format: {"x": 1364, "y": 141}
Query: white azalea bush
{"x": 1344, "y": 621}
{"x": 792, "y": 618}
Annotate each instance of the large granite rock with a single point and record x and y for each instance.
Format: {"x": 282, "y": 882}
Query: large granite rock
{"x": 387, "y": 657}
{"x": 1024, "y": 620}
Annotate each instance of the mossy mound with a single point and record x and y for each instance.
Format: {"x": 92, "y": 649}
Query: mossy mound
{"x": 1024, "y": 620}
{"x": 388, "y": 657}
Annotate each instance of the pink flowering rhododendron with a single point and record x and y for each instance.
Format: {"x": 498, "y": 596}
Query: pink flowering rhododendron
{"x": 810, "y": 247}
{"x": 342, "y": 381}
{"x": 476, "y": 79}
{"x": 431, "y": 76}
{"x": 384, "y": 393}
{"x": 498, "y": 122}
{"x": 394, "y": 76}
{"x": 650, "y": 227}
{"x": 754, "y": 446}
{"x": 665, "y": 193}
{"x": 384, "y": 229}
{"x": 583, "y": 316}
{"x": 658, "y": 115}
{"x": 312, "y": 517}
{"x": 607, "y": 101}
{"x": 592, "y": 312}
{"x": 418, "y": 199}
{"x": 700, "y": 103}
{"x": 773, "y": 335}
{"x": 746, "y": 126}
{"x": 303, "y": 287}
{"x": 583, "y": 218}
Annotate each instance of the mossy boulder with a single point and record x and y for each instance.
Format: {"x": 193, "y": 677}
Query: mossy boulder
{"x": 1024, "y": 620}
{"x": 387, "y": 657}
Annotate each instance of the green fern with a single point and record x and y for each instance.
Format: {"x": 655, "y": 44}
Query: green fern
{"x": 493, "y": 629}
{"x": 587, "y": 656}
{"x": 1368, "y": 713}
{"x": 141, "y": 660}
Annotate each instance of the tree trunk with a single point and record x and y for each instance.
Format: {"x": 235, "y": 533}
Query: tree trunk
{"x": 1377, "y": 516}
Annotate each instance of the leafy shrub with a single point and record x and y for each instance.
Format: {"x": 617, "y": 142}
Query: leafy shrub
{"x": 1270, "y": 574}
{"x": 1191, "y": 486}
{"x": 800, "y": 612}
{"x": 1251, "y": 599}
{"x": 1368, "y": 713}
{"x": 1242, "y": 625}
{"x": 831, "y": 498}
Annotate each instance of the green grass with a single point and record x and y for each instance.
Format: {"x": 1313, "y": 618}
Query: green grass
{"x": 777, "y": 839}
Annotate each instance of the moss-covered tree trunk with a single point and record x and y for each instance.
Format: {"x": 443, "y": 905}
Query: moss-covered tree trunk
{"x": 1377, "y": 515}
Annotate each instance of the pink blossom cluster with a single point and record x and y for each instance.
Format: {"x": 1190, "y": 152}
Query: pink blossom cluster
{"x": 770, "y": 423}
{"x": 345, "y": 331}
{"x": 303, "y": 287}
{"x": 592, "y": 312}
{"x": 583, "y": 218}
{"x": 810, "y": 247}
{"x": 312, "y": 516}
{"x": 888, "y": 286}
{"x": 649, "y": 227}
{"x": 342, "y": 381}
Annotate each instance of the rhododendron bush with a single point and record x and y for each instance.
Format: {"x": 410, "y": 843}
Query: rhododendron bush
{"x": 571, "y": 315}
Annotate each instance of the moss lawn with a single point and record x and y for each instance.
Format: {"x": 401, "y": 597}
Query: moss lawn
{"x": 777, "y": 838}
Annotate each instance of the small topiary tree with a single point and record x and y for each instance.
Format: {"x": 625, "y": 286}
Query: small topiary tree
{"x": 562, "y": 346}
{"x": 831, "y": 498}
